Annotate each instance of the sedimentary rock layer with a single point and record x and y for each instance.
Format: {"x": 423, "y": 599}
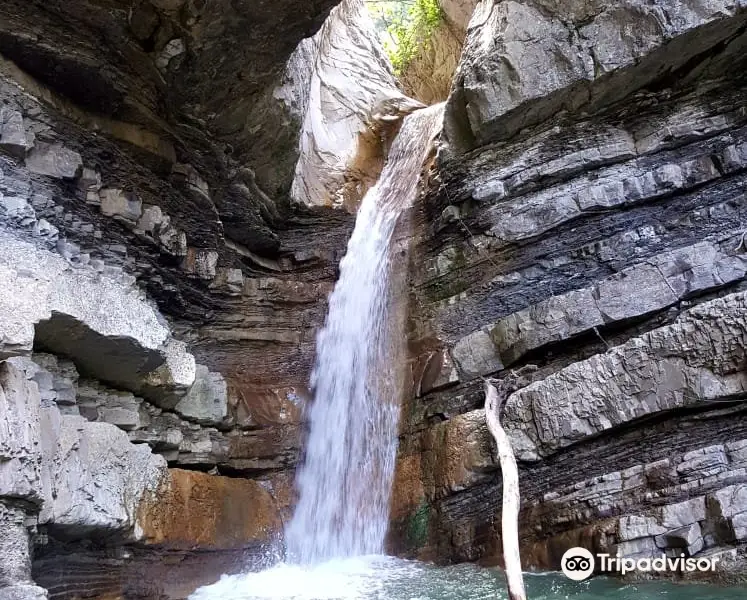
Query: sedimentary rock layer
{"x": 159, "y": 288}
{"x": 583, "y": 241}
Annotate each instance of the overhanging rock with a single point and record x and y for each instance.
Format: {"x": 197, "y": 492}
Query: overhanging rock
{"x": 104, "y": 324}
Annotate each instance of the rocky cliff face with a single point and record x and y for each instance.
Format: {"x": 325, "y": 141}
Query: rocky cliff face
{"x": 583, "y": 242}
{"x": 161, "y": 286}
{"x": 340, "y": 86}
{"x": 428, "y": 75}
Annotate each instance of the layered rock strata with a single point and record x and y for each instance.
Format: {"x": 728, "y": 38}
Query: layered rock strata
{"x": 584, "y": 234}
{"x": 165, "y": 260}
{"x": 160, "y": 288}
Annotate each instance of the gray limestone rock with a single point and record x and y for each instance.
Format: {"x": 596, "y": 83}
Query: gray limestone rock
{"x": 95, "y": 476}
{"x": 17, "y": 210}
{"x": 206, "y": 401}
{"x": 20, "y": 431}
{"x": 637, "y": 549}
{"x": 15, "y": 550}
{"x": 151, "y": 219}
{"x": 54, "y": 160}
{"x": 23, "y": 591}
{"x": 476, "y": 355}
{"x": 14, "y": 547}
{"x": 638, "y": 290}
{"x": 335, "y": 82}
{"x": 105, "y": 325}
{"x": 689, "y": 538}
{"x": 13, "y": 138}
{"x": 523, "y": 61}
{"x": 98, "y": 403}
{"x": 729, "y": 501}
{"x": 697, "y": 359}
{"x": 632, "y": 527}
{"x": 57, "y": 379}
{"x": 704, "y": 462}
{"x": 120, "y": 204}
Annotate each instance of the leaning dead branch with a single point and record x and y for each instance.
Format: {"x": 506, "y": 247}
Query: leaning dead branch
{"x": 511, "y": 499}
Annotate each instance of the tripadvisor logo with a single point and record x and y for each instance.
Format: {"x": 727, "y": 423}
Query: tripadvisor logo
{"x": 579, "y": 564}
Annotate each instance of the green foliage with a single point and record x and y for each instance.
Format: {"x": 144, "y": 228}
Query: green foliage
{"x": 407, "y": 27}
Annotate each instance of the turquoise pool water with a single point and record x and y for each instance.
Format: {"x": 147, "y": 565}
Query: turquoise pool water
{"x": 387, "y": 578}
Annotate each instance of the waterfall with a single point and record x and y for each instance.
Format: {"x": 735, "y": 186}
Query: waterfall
{"x": 345, "y": 480}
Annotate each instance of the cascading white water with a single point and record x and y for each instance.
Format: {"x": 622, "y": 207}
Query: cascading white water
{"x": 346, "y": 477}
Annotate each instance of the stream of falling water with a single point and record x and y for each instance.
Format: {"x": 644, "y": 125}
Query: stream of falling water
{"x": 336, "y": 536}
{"x": 345, "y": 481}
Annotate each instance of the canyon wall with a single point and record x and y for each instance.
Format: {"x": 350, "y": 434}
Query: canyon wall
{"x": 427, "y": 76}
{"x": 582, "y": 241}
{"x": 177, "y": 182}
{"x": 160, "y": 281}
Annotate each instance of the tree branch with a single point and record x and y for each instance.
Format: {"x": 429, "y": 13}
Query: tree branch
{"x": 511, "y": 497}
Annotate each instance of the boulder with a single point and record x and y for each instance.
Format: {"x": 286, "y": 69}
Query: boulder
{"x": 637, "y": 549}
{"x": 632, "y": 527}
{"x": 120, "y": 204}
{"x": 98, "y": 403}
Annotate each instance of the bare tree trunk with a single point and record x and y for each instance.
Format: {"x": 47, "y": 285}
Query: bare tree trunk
{"x": 511, "y": 499}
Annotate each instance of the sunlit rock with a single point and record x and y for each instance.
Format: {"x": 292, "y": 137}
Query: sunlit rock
{"x": 527, "y": 60}
{"x": 334, "y": 83}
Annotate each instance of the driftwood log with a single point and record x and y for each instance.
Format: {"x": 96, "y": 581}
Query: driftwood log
{"x": 511, "y": 498}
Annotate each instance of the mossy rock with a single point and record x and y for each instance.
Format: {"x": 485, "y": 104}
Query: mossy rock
{"x": 417, "y": 526}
